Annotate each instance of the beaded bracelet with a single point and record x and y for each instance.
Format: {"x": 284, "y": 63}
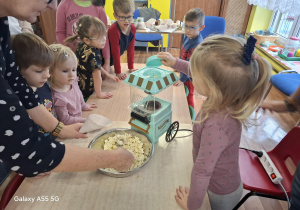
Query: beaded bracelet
{"x": 57, "y": 129}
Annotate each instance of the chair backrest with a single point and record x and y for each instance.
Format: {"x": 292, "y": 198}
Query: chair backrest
{"x": 136, "y": 14}
{"x": 288, "y": 147}
{"x": 213, "y": 25}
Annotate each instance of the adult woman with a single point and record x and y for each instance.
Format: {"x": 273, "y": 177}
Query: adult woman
{"x": 22, "y": 148}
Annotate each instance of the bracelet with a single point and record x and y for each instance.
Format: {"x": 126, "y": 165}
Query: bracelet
{"x": 290, "y": 106}
{"x": 57, "y": 129}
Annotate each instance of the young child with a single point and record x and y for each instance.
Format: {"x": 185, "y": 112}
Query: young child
{"x": 194, "y": 23}
{"x": 121, "y": 36}
{"x": 234, "y": 81}
{"x": 67, "y": 16}
{"x": 67, "y": 97}
{"x": 92, "y": 32}
{"x": 34, "y": 58}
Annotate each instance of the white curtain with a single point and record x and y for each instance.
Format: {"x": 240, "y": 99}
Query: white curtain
{"x": 284, "y": 6}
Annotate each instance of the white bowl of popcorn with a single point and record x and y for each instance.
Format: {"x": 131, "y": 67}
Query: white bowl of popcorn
{"x": 135, "y": 142}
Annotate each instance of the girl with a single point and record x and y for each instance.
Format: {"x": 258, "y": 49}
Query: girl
{"x": 68, "y": 14}
{"x": 234, "y": 82}
{"x": 92, "y": 32}
{"x": 67, "y": 97}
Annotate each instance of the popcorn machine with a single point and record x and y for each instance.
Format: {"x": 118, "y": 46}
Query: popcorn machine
{"x": 150, "y": 96}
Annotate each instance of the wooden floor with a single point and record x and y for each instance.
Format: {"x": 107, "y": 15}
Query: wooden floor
{"x": 270, "y": 128}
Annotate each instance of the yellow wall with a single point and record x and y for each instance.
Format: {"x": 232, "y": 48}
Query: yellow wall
{"x": 259, "y": 19}
{"x": 109, "y": 9}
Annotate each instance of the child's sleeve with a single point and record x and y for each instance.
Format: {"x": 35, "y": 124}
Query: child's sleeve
{"x": 103, "y": 18}
{"x": 63, "y": 115}
{"x": 182, "y": 66}
{"x": 114, "y": 40}
{"x": 204, "y": 165}
{"x": 61, "y": 30}
{"x": 130, "y": 50}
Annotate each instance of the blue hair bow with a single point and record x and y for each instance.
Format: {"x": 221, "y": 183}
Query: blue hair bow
{"x": 248, "y": 50}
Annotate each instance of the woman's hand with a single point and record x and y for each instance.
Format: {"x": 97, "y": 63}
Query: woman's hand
{"x": 168, "y": 59}
{"x": 181, "y": 196}
{"x": 123, "y": 159}
{"x": 72, "y": 131}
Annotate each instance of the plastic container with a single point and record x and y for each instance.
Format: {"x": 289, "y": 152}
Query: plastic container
{"x": 264, "y": 38}
{"x": 292, "y": 44}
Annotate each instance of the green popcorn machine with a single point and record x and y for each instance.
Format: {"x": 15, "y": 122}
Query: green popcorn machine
{"x": 151, "y": 110}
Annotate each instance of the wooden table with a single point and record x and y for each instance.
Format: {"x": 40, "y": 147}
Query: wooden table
{"x": 153, "y": 187}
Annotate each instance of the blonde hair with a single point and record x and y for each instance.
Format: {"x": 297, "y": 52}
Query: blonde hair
{"x": 30, "y": 50}
{"x": 61, "y": 55}
{"x": 88, "y": 26}
{"x": 232, "y": 85}
{"x": 124, "y": 6}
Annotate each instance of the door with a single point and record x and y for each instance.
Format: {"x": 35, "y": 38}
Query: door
{"x": 210, "y": 8}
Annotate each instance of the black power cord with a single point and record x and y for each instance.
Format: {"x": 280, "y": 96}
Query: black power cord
{"x": 258, "y": 153}
{"x": 186, "y": 135}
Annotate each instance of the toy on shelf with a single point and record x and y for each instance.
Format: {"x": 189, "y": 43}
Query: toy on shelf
{"x": 289, "y": 52}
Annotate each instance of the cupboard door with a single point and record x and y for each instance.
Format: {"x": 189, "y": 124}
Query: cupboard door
{"x": 210, "y": 8}
{"x": 48, "y": 24}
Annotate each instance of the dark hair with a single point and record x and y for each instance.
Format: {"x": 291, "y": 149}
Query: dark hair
{"x": 30, "y": 50}
{"x": 88, "y": 26}
{"x": 195, "y": 14}
{"x": 98, "y": 2}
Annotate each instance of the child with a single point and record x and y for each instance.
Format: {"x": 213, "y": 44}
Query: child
{"x": 234, "y": 81}
{"x": 34, "y": 58}
{"x": 68, "y": 14}
{"x": 92, "y": 32}
{"x": 194, "y": 23}
{"x": 121, "y": 35}
{"x": 67, "y": 97}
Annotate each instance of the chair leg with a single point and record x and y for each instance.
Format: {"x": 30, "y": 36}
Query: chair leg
{"x": 243, "y": 200}
{"x": 159, "y": 46}
{"x": 147, "y": 48}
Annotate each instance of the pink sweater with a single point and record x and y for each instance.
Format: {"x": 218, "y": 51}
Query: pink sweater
{"x": 69, "y": 105}
{"x": 68, "y": 12}
{"x": 215, "y": 153}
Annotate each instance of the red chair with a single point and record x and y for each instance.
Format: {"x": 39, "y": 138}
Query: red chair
{"x": 10, "y": 190}
{"x": 254, "y": 176}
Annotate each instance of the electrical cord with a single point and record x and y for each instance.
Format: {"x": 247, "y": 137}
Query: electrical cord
{"x": 186, "y": 135}
{"x": 258, "y": 153}
{"x": 286, "y": 195}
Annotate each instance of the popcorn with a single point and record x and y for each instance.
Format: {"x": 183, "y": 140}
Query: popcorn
{"x": 131, "y": 143}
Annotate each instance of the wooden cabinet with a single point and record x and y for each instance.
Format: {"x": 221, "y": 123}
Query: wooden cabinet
{"x": 181, "y": 7}
{"x": 48, "y": 24}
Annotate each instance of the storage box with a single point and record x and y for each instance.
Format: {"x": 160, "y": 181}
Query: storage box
{"x": 264, "y": 38}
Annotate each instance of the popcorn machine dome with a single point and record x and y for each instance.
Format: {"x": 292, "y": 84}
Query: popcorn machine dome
{"x": 150, "y": 100}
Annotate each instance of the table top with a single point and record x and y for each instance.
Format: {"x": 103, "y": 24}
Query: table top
{"x": 153, "y": 187}
{"x": 144, "y": 31}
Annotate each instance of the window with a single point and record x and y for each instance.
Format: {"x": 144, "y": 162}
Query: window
{"x": 286, "y": 25}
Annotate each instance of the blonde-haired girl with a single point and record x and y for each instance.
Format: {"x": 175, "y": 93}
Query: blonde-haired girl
{"x": 234, "y": 81}
{"x": 67, "y": 97}
{"x": 92, "y": 33}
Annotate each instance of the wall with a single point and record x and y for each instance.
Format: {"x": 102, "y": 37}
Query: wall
{"x": 259, "y": 19}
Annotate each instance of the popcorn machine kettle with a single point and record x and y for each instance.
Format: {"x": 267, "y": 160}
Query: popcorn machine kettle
{"x": 150, "y": 96}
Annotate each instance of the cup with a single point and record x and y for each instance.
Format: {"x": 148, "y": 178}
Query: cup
{"x": 95, "y": 122}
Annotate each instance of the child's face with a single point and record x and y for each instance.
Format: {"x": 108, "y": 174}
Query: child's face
{"x": 97, "y": 42}
{"x": 65, "y": 73}
{"x": 192, "y": 28}
{"x": 35, "y": 76}
{"x": 124, "y": 19}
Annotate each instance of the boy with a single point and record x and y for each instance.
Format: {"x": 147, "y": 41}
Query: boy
{"x": 121, "y": 35}
{"x": 194, "y": 23}
{"x": 34, "y": 58}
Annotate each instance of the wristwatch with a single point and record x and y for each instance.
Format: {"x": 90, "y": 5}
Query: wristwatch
{"x": 57, "y": 129}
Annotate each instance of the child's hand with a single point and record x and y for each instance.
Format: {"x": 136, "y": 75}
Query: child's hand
{"x": 132, "y": 70}
{"x": 182, "y": 197}
{"x": 90, "y": 106}
{"x": 276, "y": 106}
{"x": 168, "y": 59}
{"x": 178, "y": 83}
{"x": 106, "y": 67}
{"x": 114, "y": 78}
{"x": 121, "y": 76}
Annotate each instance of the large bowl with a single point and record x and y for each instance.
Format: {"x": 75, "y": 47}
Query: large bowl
{"x": 99, "y": 141}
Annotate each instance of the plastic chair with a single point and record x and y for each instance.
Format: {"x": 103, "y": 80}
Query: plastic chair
{"x": 213, "y": 25}
{"x": 147, "y": 37}
{"x": 10, "y": 190}
{"x": 254, "y": 176}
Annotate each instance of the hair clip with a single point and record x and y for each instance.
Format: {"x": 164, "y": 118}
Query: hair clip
{"x": 248, "y": 50}
{"x": 66, "y": 54}
{"x": 54, "y": 49}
